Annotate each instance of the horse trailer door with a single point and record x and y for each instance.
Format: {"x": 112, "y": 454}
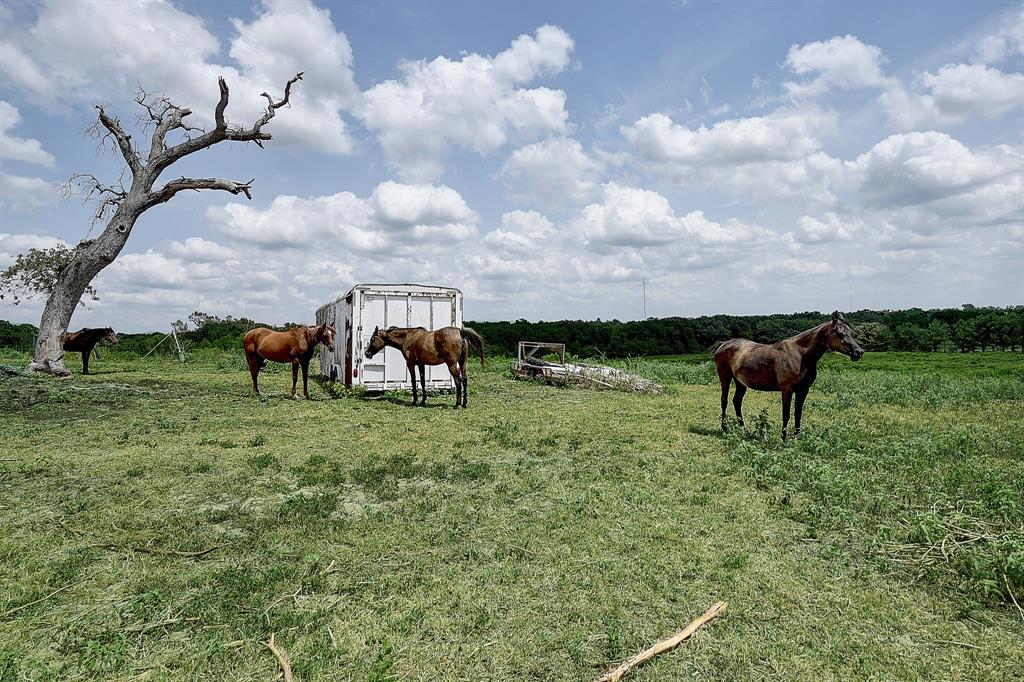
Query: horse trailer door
{"x": 439, "y": 309}
{"x": 371, "y": 315}
{"x": 344, "y": 344}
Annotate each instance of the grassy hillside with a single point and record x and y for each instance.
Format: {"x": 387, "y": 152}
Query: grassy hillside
{"x": 545, "y": 533}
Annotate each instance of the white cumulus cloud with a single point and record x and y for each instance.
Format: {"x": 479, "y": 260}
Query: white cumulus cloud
{"x": 476, "y": 103}
{"x": 839, "y": 63}
{"x": 395, "y": 219}
{"x": 18, "y": 148}
{"x": 783, "y": 135}
{"x": 553, "y": 172}
{"x": 26, "y": 193}
{"x": 107, "y": 48}
{"x": 954, "y": 94}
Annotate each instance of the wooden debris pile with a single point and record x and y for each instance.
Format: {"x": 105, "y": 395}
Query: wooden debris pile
{"x": 531, "y": 365}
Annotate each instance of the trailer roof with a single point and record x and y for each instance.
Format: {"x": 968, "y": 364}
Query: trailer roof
{"x": 396, "y": 288}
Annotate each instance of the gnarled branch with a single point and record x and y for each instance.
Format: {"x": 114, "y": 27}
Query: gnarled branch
{"x": 222, "y": 104}
{"x": 223, "y": 131}
{"x": 174, "y": 186}
{"x": 172, "y": 118}
{"x": 124, "y": 140}
{"x": 89, "y": 187}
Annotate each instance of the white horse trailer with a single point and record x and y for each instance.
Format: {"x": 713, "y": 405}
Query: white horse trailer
{"x": 366, "y": 306}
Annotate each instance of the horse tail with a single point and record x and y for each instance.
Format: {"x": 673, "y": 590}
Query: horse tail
{"x": 718, "y": 345}
{"x": 476, "y": 341}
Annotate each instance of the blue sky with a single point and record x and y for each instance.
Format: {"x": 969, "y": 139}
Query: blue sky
{"x": 544, "y": 158}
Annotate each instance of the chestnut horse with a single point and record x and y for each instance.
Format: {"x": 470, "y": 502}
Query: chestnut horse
{"x": 294, "y": 345}
{"x": 448, "y": 346}
{"x": 789, "y": 366}
{"x": 85, "y": 340}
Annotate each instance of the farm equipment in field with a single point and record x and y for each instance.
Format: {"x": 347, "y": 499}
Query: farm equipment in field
{"x": 532, "y": 365}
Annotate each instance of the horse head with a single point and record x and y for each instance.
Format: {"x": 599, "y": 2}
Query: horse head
{"x": 840, "y": 337}
{"x": 325, "y": 335}
{"x": 377, "y": 342}
{"x": 109, "y": 336}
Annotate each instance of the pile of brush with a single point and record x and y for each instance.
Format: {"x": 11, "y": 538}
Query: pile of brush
{"x": 599, "y": 377}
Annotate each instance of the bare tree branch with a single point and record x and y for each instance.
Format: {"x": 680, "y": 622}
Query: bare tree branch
{"x": 173, "y": 187}
{"x": 171, "y": 118}
{"x": 223, "y": 131}
{"x": 124, "y": 140}
{"x": 89, "y": 187}
{"x": 222, "y": 104}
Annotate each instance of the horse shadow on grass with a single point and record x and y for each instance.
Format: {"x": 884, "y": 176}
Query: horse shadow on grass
{"x": 406, "y": 401}
{"x": 706, "y": 431}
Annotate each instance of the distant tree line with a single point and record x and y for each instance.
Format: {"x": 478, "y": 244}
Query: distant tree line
{"x": 968, "y": 328}
{"x": 200, "y": 331}
{"x": 965, "y": 329}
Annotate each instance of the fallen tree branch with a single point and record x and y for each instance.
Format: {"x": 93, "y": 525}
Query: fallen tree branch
{"x": 113, "y": 546}
{"x": 1010, "y": 592}
{"x": 41, "y": 599}
{"x": 154, "y": 550}
{"x": 282, "y": 659}
{"x": 152, "y": 626}
{"x": 664, "y": 645}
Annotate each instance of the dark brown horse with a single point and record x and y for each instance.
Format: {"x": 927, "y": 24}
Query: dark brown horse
{"x": 448, "y": 346}
{"x": 789, "y": 366}
{"x": 295, "y": 345}
{"x": 85, "y": 340}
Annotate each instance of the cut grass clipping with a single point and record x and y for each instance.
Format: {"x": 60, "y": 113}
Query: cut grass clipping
{"x": 158, "y": 522}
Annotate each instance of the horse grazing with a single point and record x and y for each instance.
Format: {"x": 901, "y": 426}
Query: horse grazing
{"x": 448, "y": 346}
{"x": 295, "y": 345}
{"x": 85, "y": 340}
{"x": 789, "y": 366}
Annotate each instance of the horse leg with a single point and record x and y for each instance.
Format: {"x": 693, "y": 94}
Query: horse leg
{"x": 85, "y": 360}
{"x": 453, "y": 368}
{"x": 423, "y": 382}
{"x": 295, "y": 376}
{"x": 305, "y": 379}
{"x": 801, "y": 394}
{"x": 464, "y": 373}
{"x": 724, "y": 377}
{"x": 254, "y": 363}
{"x": 787, "y": 396}
{"x": 412, "y": 373}
{"x": 737, "y": 402}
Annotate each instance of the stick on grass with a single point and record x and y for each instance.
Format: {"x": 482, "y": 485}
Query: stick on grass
{"x": 282, "y": 659}
{"x": 52, "y": 594}
{"x": 664, "y": 645}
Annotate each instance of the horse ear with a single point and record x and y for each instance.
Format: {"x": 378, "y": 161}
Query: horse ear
{"x": 836, "y": 316}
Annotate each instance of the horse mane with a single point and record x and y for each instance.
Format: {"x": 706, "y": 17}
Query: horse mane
{"x": 810, "y": 333}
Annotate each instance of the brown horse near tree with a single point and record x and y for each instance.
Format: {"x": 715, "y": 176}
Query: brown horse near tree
{"x": 789, "y": 366}
{"x": 84, "y": 341}
{"x": 294, "y": 345}
{"x": 448, "y": 346}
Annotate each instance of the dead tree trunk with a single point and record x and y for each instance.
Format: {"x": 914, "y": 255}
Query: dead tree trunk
{"x": 124, "y": 206}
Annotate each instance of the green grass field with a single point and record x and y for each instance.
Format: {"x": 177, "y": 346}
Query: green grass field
{"x": 545, "y": 533}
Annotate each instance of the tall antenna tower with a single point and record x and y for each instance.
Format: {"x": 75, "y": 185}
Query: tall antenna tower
{"x": 645, "y": 297}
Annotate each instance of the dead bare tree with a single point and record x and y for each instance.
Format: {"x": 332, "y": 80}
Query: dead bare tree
{"x": 121, "y": 207}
